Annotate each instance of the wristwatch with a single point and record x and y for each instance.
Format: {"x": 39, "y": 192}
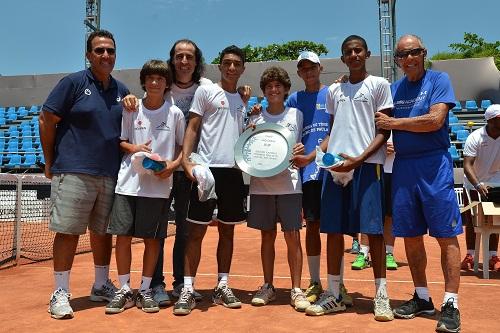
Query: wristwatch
{"x": 478, "y": 185}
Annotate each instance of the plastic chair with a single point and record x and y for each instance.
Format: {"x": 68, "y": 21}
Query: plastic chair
{"x": 470, "y": 105}
{"x": 456, "y": 127}
{"x": 458, "y": 106}
{"x": 462, "y": 135}
{"x": 454, "y": 153}
{"x": 485, "y": 103}
{"x": 34, "y": 109}
{"x": 14, "y": 161}
{"x": 26, "y": 145}
{"x": 12, "y": 117}
{"x": 3, "y": 121}
{"x": 452, "y": 120}
{"x": 29, "y": 160}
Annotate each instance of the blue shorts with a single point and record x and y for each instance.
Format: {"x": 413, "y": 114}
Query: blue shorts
{"x": 356, "y": 207}
{"x": 423, "y": 197}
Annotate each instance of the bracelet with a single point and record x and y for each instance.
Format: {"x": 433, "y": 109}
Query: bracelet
{"x": 478, "y": 185}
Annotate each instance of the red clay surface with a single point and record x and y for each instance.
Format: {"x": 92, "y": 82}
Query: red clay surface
{"x": 26, "y": 290}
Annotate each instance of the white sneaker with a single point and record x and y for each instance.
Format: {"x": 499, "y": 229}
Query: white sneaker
{"x": 264, "y": 295}
{"x": 327, "y": 303}
{"x": 177, "y": 292}
{"x": 299, "y": 300}
{"x": 59, "y": 307}
{"x": 382, "y": 308}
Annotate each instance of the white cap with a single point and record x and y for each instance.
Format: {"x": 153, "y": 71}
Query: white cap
{"x": 492, "y": 111}
{"x": 308, "y": 55}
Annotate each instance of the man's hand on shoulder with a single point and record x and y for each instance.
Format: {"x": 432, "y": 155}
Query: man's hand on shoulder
{"x": 130, "y": 103}
{"x": 245, "y": 93}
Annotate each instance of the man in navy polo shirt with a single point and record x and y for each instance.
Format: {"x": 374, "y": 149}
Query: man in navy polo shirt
{"x": 79, "y": 130}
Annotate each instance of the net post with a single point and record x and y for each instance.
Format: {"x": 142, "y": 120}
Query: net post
{"x": 18, "y": 238}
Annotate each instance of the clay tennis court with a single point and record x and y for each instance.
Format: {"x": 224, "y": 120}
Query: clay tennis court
{"x": 26, "y": 290}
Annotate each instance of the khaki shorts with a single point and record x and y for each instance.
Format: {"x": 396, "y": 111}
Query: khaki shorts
{"x": 80, "y": 201}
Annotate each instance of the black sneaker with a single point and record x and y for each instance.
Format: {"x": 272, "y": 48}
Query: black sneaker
{"x": 145, "y": 301}
{"x": 185, "y": 303}
{"x": 224, "y": 295}
{"x": 122, "y": 300}
{"x": 414, "y": 307}
{"x": 449, "y": 320}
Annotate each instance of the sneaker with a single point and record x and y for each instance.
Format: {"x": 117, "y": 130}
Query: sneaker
{"x": 313, "y": 291}
{"x": 346, "y": 298}
{"x": 59, "y": 307}
{"x": 124, "y": 299}
{"x": 185, "y": 303}
{"x": 144, "y": 301}
{"x": 264, "y": 295}
{"x": 355, "y": 247}
{"x": 382, "y": 308}
{"x": 360, "y": 262}
{"x": 468, "y": 263}
{"x": 494, "y": 264}
{"x": 299, "y": 300}
{"x": 223, "y": 295}
{"x": 177, "y": 291}
{"x": 449, "y": 320}
{"x": 105, "y": 294}
{"x": 390, "y": 263}
{"x": 161, "y": 296}
{"x": 327, "y": 303}
{"x": 414, "y": 307}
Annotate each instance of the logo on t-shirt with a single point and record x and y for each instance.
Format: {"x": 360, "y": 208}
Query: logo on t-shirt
{"x": 139, "y": 126}
{"x": 163, "y": 127}
{"x": 360, "y": 97}
{"x": 87, "y": 92}
{"x": 118, "y": 99}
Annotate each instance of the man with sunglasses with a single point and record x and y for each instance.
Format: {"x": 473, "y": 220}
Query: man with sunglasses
{"x": 422, "y": 179}
{"x": 80, "y": 131}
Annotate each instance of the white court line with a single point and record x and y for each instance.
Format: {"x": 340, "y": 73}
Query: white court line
{"x": 287, "y": 277}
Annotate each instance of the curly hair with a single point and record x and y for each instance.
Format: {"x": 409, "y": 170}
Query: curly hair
{"x": 275, "y": 73}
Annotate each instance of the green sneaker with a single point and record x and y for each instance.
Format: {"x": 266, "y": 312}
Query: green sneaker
{"x": 390, "y": 263}
{"x": 360, "y": 262}
{"x": 313, "y": 291}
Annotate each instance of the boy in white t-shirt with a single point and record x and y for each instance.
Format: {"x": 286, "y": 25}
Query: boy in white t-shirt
{"x": 140, "y": 206}
{"x": 279, "y": 198}
{"x": 352, "y": 197}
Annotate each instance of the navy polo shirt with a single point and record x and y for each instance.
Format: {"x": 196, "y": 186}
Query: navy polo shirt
{"x": 87, "y": 137}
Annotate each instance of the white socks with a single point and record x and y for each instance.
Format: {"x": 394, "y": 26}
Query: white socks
{"x": 101, "y": 275}
{"x": 145, "y": 283}
{"x": 471, "y": 252}
{"x": 334, "y": 285}
{"x": 222, "y": 278}
{"x": 448, "y": 295}
{"x": 124, "y": 281}
{"x": 364, "y": 249}
{"x": 381, "y": 287}
{"x": 493, "y": 253}
{"x": 314, "y": 263}
{"x": 422, "y": 292}
{"x": 61, "y": 280}
{"x": 389, "y": 249}
{"x": 189, "y": 282}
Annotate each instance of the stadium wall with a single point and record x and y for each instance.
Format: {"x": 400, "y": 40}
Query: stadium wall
{"x": 472, "y": 79}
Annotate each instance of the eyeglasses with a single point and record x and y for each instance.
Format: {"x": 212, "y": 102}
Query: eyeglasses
{"x": 413, "y": 52}
{"x": 100, "y": 50}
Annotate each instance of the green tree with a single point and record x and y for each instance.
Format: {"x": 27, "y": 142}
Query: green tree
{"x": 473, "y": 46}
{"x": 280, "y": 52}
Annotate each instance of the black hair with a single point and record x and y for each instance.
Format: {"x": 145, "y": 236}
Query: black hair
{"x": 232, "y": 49}
{"x": 200, "y": 66}
{"x": 99, "y": 33}
{"x": 353, "y": 37}
{"x": 158, "y": 67}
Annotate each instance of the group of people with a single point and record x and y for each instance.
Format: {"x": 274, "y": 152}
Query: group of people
{"x": 90, "y": 119}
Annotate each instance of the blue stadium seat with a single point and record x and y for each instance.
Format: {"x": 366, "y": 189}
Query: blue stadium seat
{"x": 34, "y": 120}
{"x": 462, "y": 135}
{"x": 34, "y": 109}
{"x": 26, "y": 145}
{"x": 485, "y": 103}
{"x": 471, "y": 105}
{"x": 41, "y": 158}
{"x": 452, "y": 120}
{"x": 458, "y": 106}
{"x": 14, "y": 161}
{"x": 11, "y": 109}
{"x": 456, "y": 127}
{"x": 264, "y": 103}
{"x": 3, "y": 121}
{"x": 11, "y": 117}
{"x": 29, "y": 160}
{"x": 454, "y": 153}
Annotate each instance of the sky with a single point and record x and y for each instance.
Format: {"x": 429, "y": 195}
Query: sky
{"x": 48, "y": 36}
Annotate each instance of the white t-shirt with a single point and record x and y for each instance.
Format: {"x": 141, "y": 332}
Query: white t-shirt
{"x": 183, "y": 98}
{"x": 165, "y": 127}
{"x": 221, "y": 125}
{"x": 353, "y": 107}
{"x": 287, "y": 181}
{"x": 486, "y": 151}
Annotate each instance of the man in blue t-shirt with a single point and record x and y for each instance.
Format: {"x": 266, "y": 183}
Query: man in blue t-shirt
{"x": 422, "y": 179}
{"x": 80, "y": 130}
{"x": 312, "y": 102}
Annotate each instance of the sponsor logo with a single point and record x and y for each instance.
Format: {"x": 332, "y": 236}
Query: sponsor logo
{"x": 163, "y": 127}
{"x": 118, "y": 99}
{"x": 87, "y": 92}
{"x": 139, "y": 126}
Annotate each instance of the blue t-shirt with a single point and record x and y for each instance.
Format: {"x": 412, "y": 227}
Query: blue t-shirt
{"x": 412, "y": 99}
{"x": 315, "y": 127}
{"x": 88, "y": 135}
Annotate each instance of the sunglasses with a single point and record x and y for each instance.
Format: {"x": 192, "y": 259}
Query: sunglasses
{"x": 101, "y": 50}
{"x": 413, "y": 52}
